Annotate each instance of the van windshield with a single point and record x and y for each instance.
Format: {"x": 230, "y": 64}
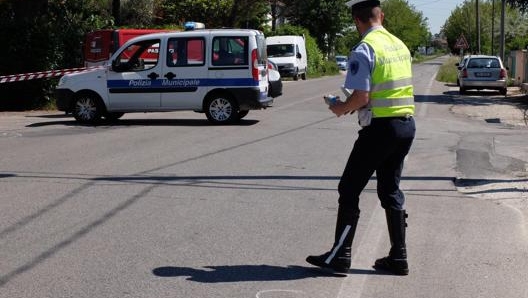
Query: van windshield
{"x": 281, "y": 50}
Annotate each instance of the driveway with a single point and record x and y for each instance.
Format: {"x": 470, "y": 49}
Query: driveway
{"x": 493, "y": 107}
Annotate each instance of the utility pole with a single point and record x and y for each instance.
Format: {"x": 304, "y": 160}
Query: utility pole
{"x": 492, "y": 26}
{"x": 116, "y": 11}
{"x": 503, "y": 8}
{"x": 470, "y": 38}
{"x": 478, "y": 27}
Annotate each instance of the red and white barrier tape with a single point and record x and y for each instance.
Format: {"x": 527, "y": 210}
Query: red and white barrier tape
{"x": 42, "y": 74}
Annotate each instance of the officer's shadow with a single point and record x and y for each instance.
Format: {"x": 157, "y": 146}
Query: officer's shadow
{"x": 241, "y": 273}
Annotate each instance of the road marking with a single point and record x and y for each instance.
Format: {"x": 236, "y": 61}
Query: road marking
{"x": 424, "y": 105}
{"x": 364, "y": 256}
{"x": 280, "y": 293}
{"x": 300, "y": 101}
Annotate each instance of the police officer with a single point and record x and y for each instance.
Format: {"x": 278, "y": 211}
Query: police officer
{"x": 379, "y": 72}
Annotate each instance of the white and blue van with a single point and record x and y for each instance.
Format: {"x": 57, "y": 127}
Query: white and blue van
{"x": 220, "y": 72}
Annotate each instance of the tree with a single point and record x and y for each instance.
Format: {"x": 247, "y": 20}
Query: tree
{"x": 137, "y": 13}
{"x": 404, "y": 21}
{"x": 324, "y": 19}
{"x": 116, "y": 11}
{"x": 516, "y": 30}
{"x": 522, "y": 5}
{"x": 401, "y": 19}
{"x": 43, "y": 35}
{"x": 217, "y": 13}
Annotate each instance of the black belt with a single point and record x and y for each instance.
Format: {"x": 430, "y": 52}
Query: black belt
{"x": 408, "y": 117}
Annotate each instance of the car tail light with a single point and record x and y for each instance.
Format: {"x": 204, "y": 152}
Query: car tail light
{"x": 502, "y": 73}
{"x": 254, "y": 62}
{"x": 464, "y": 73}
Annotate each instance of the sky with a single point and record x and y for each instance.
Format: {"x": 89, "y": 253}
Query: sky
{"x": 436, "y": 11}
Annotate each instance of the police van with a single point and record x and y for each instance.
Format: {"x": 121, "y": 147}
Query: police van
{"x": 220, "y": 72}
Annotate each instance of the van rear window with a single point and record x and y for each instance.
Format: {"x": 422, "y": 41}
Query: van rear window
{"x": 262, "y": 55}
{"x": 230, "y": 50}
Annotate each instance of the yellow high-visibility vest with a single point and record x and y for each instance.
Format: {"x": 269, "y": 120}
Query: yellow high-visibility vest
{"x": 391, "y": 89}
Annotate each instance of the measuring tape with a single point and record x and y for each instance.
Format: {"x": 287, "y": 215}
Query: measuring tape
{"x": 42, "y": 74}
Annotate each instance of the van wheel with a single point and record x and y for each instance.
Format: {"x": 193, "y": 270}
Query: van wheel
{"x": 221, "y": 109}
{"x": 87, "y": 108}
{"x": 303, "y": 76}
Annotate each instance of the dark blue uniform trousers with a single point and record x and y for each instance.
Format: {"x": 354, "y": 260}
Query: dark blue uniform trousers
{"x": 380, "y": 147}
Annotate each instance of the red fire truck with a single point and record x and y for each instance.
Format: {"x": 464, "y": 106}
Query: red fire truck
{"x": 101, "y": 44}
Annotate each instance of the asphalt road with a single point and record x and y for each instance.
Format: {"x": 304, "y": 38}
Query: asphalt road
{"x": 166, "y": 205}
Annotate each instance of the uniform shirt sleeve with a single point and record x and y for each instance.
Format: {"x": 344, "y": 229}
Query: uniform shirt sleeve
{"x": 360, "y": 65}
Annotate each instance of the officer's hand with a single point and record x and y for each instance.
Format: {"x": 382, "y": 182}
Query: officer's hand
{"x": 340, "y": 109}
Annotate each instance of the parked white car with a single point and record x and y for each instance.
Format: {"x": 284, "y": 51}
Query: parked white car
{"x": 275, "y": 81}
{"x": 342, "y": 62}
{"x": 483, "y": 72}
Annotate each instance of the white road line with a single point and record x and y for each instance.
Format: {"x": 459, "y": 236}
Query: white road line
{"x": 364, "y": 255}
{"x": 423, "y": 107}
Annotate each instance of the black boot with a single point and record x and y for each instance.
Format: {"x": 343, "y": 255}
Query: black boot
{"x": 338, "y": 258}
{"x": 396, "y": 261}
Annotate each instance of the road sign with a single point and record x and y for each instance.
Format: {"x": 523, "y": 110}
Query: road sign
{"x": 461, "y": 43}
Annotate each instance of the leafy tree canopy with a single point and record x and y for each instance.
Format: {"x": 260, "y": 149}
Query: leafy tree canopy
{"x": 522, "y": 5}
{"x": 217, "y": 13}
{"x": 404, "y": 21}
{"x": 324, "y": 19}
{"x": 515, "y": 28}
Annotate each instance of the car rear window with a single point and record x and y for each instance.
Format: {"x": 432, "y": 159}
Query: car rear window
{"x": 483, "y": 63}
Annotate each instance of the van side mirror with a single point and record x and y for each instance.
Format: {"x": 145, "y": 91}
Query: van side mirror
{"x": 299, "y": 56}
{"x": 119, "y": 66}
{"x": 116, "y": 65}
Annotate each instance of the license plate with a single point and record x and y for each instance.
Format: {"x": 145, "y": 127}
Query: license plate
{"x": 483, "y": 74}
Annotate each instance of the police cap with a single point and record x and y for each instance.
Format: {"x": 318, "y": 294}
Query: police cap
{"x": 359, "y": 4}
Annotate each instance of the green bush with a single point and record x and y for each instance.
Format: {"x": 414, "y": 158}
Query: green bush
{"x": 329, "y": 68}
{"x": 448, "y": 71}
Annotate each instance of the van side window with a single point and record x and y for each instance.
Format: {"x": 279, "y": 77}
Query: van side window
{"x": 298, "y": 52}
{"x": 186, "y": 52}
{"x": 230, "y": 50}
{"x": 139, "y": 56}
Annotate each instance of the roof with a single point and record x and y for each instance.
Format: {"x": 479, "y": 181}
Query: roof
{"x": 200, "y": 32}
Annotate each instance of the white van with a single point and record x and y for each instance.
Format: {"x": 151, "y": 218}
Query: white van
{"x": 289, "y": 53}
{"x": 221, "y": 72}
